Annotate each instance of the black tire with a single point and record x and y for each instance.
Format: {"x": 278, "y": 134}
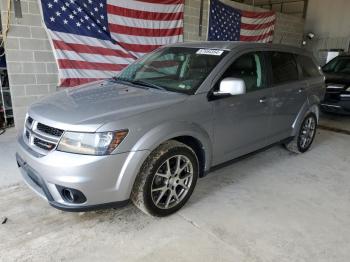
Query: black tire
{"x": 142, "y": 195}
{"x": 296, "y": 145}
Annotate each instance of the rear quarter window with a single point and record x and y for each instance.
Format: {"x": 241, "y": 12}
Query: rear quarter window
{"x": 308, "y": 67}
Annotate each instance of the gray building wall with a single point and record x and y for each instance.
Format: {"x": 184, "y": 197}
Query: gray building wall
{"x": 330, "y": 22}
{"x": 31, "y": 66}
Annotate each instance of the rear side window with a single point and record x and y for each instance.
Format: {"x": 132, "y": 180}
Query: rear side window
{"x": 308, "y": 67}
{"x": 284, "y": 67}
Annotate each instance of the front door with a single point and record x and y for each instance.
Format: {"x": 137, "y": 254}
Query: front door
{"x": 241, "y": 123}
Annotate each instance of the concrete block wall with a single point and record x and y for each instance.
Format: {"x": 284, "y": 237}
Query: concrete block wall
{"x": 31, "y": 65}
{"x": 288, "y": 30}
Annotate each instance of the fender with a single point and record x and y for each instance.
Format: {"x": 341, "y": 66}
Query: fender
{"x": 150, "y": 141}
{"x": 311, "y": 105}
{"x": 166, "y": 131}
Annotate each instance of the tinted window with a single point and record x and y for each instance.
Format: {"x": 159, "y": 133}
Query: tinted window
{"x": 338, "y": 65}
{"x": 248, "y": 67}
{"x": 308, "y": 67}
{"x": 284, "y": 67}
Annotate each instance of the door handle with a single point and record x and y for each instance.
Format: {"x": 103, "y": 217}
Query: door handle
{"x": 262, "y": 100}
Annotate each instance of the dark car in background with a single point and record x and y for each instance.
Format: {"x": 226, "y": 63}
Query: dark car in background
{"x": 337, "y": 98}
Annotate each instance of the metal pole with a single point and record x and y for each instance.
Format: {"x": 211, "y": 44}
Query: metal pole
{"x": 306, "y": 3}
{"x": 200, "y": 27}
{"x": 3, "y": 103}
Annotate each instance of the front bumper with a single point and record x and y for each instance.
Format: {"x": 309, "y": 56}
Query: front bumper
{"x": 105, "y": 181}
{"x": 339, "y": 107}
{"x": 336, "y": 101}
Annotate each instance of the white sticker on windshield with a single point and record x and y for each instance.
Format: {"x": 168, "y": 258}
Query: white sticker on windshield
{"x": 209, "y": 52}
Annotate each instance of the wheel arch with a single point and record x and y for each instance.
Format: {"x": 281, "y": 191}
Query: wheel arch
{"x": 197, "y": 147}
{"x": 311, "y": 106}
{"x": 190, "y": 134}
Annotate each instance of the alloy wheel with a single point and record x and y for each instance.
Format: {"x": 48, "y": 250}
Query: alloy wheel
{"x": 172, "y": 181}
{"x": 307, "y": 132}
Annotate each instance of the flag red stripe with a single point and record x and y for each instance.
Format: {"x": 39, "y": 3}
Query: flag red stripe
{"x": 250, "y": 14}
{"x": 257, "y": 26}
{"x": 255, "y": 38}
{"x": 88, "y": 49}
{"x": 70, "y": 82}
{"x": 128, "y": 30}
{"x": 137, "y": 48}
{"x": 74, "y": 64}
{"x": 116, "y": 10}
{"x": 163, "y": 2}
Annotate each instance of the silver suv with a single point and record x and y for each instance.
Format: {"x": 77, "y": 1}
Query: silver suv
{"x": 166, "y": 120}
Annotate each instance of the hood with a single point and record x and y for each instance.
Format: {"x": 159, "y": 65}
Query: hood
{"x": 87, "y": 107}
{"x": 338, "y": 78}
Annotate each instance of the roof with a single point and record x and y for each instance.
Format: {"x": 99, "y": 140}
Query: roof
{"x": 227, "y": 45}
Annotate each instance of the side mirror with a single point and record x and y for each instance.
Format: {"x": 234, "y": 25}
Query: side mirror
{"x": 231, "y": 86}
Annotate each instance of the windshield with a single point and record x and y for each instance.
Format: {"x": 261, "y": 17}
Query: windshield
{"x": 177, "y": 69}
{"x": 338, "y": 65}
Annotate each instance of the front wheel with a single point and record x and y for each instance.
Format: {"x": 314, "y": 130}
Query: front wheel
{"x": 303, "y": 141}
{"x": 166, "y": 179}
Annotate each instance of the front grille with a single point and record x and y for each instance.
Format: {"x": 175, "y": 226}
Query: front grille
{"x": 332, "y": 96}
{"x": 43, "y": 144}
{"x": 49, "y": 130}
{"x": 40, "y": 137}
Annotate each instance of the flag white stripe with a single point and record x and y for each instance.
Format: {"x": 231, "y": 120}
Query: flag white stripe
{"x": 257, "y": 21}
{"x": 85, "y": 40}
{"x": 72, "y": 55}
{"x": 142, "y": 23}
{"x": 148, "y": 7}
{"x": 146, "y": 40}
{"x": 86, "y": 73}
{"x": 266, "y": 39}
{"x": 256, "y": 32}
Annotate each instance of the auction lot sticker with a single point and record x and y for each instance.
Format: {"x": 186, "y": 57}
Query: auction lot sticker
{"x": 209, "y": 52}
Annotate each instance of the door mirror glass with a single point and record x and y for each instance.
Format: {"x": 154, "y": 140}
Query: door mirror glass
{"x": 231, "y": 86}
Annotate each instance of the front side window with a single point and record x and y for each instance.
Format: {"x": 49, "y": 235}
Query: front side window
{"x": 284, "y": 67}
{"x": 178, "y": 69}
{"x": 338, "y": 65}
{"x": 250, "y": 69}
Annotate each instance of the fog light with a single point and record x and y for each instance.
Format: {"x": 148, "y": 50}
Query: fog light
{"x": 71, "y": 195}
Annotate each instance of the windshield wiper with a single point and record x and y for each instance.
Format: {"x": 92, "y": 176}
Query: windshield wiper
{"x": 148, "y": 84}
{"x": 129, "y": 81}
{"x": 139, "y": 83}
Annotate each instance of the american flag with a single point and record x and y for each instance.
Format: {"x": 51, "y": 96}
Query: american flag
{"x": 95, "y": 40}
{"x": 230, "y": 24}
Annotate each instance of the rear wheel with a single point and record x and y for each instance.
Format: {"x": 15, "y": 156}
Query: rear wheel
{"x": 166, "y": 179}
{"x": 303, "y": 141}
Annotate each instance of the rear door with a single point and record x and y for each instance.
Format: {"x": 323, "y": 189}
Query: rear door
{"x": 289, "y": 93}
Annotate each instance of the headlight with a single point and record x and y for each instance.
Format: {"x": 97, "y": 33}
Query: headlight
{"x": 348, "y": 89}
{"x": 91, "y": 143}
